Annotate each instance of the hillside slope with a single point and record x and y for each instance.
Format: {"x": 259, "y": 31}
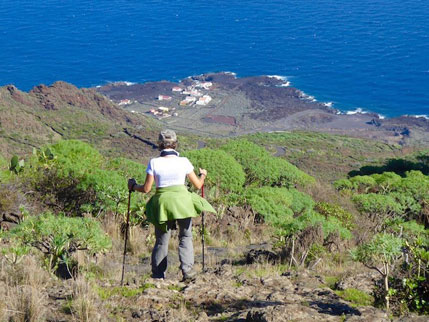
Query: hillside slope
{"x": 62, "y": 111}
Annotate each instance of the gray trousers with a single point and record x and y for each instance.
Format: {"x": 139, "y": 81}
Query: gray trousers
{"x": 186, "y": 248}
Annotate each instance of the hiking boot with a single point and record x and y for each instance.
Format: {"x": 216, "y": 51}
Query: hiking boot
{"x": 158, "y": 276}
{"x": 189, "y": 276}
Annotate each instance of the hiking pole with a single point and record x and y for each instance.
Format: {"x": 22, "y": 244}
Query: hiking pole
{"x": 202, "y": 230}
{"x": 126, "y": 237}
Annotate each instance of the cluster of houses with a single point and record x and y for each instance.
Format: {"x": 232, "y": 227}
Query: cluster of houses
{"x": 193, "y": 95}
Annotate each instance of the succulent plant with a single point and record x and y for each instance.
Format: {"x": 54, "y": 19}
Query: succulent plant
{"x": 16, "y": 165}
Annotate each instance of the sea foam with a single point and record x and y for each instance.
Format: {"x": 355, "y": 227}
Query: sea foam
{"x": 284, "y": 79}
{"x": 356, "y": 111}
{"x": 360, "y": 110}
{"x": 419, "y": 116}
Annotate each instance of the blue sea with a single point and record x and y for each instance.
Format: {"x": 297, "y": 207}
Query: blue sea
{"x": 369, "y": 54}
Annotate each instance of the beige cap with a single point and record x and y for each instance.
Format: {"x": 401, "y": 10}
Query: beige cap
{"x": 167, "y": 136}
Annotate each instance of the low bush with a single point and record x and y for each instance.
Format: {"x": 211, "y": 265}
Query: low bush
{"x": 332, "y": 210}
{"x": 58, "y": 237}
{"x": 263, "y": 169}
{"x": 225, "y": 173}
{"x": 74, "y": 178}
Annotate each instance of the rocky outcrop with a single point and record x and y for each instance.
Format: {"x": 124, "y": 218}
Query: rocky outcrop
{"x": 11, "y": 202}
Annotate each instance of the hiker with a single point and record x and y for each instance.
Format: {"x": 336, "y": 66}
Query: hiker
{"x": 172, "y": 203}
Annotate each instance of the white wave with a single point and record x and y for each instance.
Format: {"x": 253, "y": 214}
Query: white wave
{"x": 279, "y": 77}
{"x": 230, "y": 73}
{"x": 126, "y": 83}
{"x": 328, "y": 104}
{"x": 419, "y": 116}
{"x": 284, "y": 79}
{"x": 360, "y": 110}
{"x": 306, "y": 96}
{"x": 356, "y": 111}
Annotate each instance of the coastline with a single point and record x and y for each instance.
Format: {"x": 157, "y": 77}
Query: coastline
{"x": 266, "y": 103}
{"x": 285, "y": 82}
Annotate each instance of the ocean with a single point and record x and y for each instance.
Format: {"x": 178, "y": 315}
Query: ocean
{"x": 367, "y": 54}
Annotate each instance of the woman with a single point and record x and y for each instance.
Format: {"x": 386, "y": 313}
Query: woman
{"x": 172, "y": 203}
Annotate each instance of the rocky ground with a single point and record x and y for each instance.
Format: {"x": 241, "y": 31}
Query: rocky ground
{"x": 227, "y": 291}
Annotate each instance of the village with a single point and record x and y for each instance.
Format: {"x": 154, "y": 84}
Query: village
{"x": 195, "y": 94}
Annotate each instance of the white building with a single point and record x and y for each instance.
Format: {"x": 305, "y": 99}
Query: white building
{"x": 204, "y": 100}
{"x": 163, "y": 109}
{"x": 164, "y": 98}
{"x": 188, "y": 100}
{"x": 196, "y": 93}
{"x": 205, "y": 85}
{"x": 177, "y": 89}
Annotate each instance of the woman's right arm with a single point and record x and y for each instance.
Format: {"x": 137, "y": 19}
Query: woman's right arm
{"x": 197, "y": 182}
{"x": 146, "y": 187}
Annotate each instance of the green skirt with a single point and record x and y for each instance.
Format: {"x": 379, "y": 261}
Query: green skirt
{"x": 174, "y": 202}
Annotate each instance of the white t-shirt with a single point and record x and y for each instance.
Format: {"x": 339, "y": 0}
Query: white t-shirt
{"x": 170, "y": 170}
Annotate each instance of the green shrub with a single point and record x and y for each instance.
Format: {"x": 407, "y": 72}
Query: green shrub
{"x": 387, "y": 181}
{"x": 76, "y": 157}
{"x": 127, "y": 168}
{"x": 76, "y": 178}
{"x": 5, "y": 174}
{"x": 302, "y": 203}
{"x": 58, "y": 237}
{"x": 290, "y": 211}
{"x": 380, "y": 254}
{"x": 410, "y": 206}
{"x": 363, "y": 183}
{"x": 272, "y": 203}
{"x": 329, "y": 225}
{"x": 332, "y": 210}
{"x": 262, "y": 169}
{"x": 223, "y": 170}
{"x": 343, "y": 184}
{"x": 378, "y": 207}
{"x": 111, "y": 190}
{"x": 415, "y": 184}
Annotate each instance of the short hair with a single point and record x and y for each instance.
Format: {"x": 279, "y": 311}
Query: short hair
{"x": 167, "y": 145}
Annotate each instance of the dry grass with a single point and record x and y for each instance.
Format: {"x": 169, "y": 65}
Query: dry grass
{"x": 85, "y": 306}
{"x": 26, "y": 303}
{"x": 141, "y": 240}
{"x": 23, "y": 290}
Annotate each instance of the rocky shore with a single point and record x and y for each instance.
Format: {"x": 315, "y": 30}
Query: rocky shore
{"x": 255, "y": 104}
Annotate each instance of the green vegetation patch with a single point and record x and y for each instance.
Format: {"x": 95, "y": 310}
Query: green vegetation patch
{"x": 106, "y": 293}
{"x": 57, "y": 237}
{"x": 325, "y": 156}
{"x": 226, "y": 174}
{"x": 262, "y": 169}
{"x": 355, "y": 296}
